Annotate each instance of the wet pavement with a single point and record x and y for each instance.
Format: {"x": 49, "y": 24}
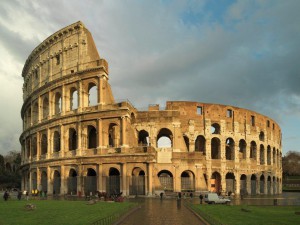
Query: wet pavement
{"x": 154, "y": 211}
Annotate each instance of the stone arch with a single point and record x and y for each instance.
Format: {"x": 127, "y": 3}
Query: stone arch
{"x": 44, "y": 144}
{"x": 262, "y": 154}
{"x": 137, "y": 182}
{"x": 57, "y": 103}
{"x": 253, "y": 150}
{"x": 72, "y": 139}
{"x": 93, "y": 94}
{"x": 72, "y": 182}
{"x": 269, "y": 185}
{"x": 215, "y": 182}
{"x": 262, "y": 136}
{"x": 73, "y": 98}
{"x": 165, "y": 138}
{"x": 215, "y": 148}
{"x": 262, "y": 184}
{"x": 274, "y": 185}
{"x": 34, "y": 181}
{"x": 230, "y": 152}
{"x": 56, "y": 141}
{"x": 113, "y": 184}
{"x": 35, "y": 113}
{"x": 215, "y": 128}
{"x": 44, "y": 181}
{"x": 56, "y": 182}
{"x": 269, "y": 155}
{"x": 143, "y": 138}
{"x": 274, "y": 156}
{"x": 243, "y": 185}
{"x": 45, "y": 107}
{"x": 253, "y": 184}
{"x": 90, "y": 182}
{"x": 28, "y": 149}
{"x": 230, "y": 183}
{"x": 92, "y": 137}
{"x": 166, "y": 180}
{"x": 242, "y": 149}
{"x": 34, "y": 146}
{"x": 187, "y": 181}
{"x": 200, "y": 144}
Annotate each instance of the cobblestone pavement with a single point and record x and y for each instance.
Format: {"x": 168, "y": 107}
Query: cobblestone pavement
{"x": 154, "y": 211}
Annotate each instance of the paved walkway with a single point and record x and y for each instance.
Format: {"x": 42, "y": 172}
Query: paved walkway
{"x": 154, "y": 211}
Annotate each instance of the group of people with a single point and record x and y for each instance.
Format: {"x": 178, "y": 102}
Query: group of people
{"x": 6, "y": 195}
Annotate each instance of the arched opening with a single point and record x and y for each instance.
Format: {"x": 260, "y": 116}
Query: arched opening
{"x": 143, "y": 138}
{"x": 72, "y": 139}
{"x": 262, "y": 136}
{"x": 90, "y": 184}
{"x": 166, "y": 180}
{"x": 215, "y": 128}
{"x": 45, "y": 108}
{"x": 35, "y": 113}
{"x": 262, "y": 184}
{"x": 274, "y": 156}
{"x": 56, "y": 141}
{"x": 34, "y": 146}
{"x": 73, "y": 99}
{"x": 57, "y": 103}
{"x": 113, "y": 135}
{"x": 215, "y": 148}
{"x": 269, "y": 155}
{"x": 72, "y": 182}
{"x": 274, "y": 185}
{"x": 243, "y": 185}
{"x": 164, "y": 138}
{"x": 215, "y": 183}
{"x": 44, "y": 182}
{"x": 28, "y": 147}
{"x": 113, "y": 183}
{"x": 92, "y": 137}
{"x": 262, "y": 155}
{"x": 242, "y": 149}
{"x": 93, "y": 93}
{"x": 253, "y": 150}
{"x": 56, "y": 183}
{"x": 187, "y": 142}
{"x": 200, "y": 144}
{"x": 253, "y": 184}
{"x": 229, "y": 149}
{"x": 44, "y": 144}
{"x": 187, "y": 181}
{"x": 230, "y": 183}
{"x": 34, "y": 181}
{"x": 269, "y": 185}
{"x": 137, "y": 183}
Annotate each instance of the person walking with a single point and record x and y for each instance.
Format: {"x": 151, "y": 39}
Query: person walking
{"x": 5, "y": 196}
{"x": 201, "y": 198}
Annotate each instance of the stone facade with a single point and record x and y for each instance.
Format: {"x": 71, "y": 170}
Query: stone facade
{"x": 77, "y": 139}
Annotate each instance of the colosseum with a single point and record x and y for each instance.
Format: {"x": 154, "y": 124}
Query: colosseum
{"x": 78, "y": 140}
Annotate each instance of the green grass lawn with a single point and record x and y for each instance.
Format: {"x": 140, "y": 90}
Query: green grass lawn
{"x": 57, "y": 212}
{"x": 258, "y": 215}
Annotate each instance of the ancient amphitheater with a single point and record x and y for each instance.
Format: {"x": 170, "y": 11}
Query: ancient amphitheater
{"x": 78, "y": 140}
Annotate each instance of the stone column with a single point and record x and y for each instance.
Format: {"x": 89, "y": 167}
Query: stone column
{"x": 39, "y": 114}
{"x": 50, "y": 107}
{"x": 124, "y": 179}
{"x": 100, "y": 175}
{"x": 48, "y": 156}
{"x": 62, "y": 180}
{"x": 222, "y": 149}
{"x": 38, "y": 145}
{"x": 238, "y": 184}
{"x": 63, "y": 100}
{"x": 236, "y": 152}
{"x": 248, "y": 184}
{"x": 80, "y": 96}
{"x": 99, "y": 133}
{"x": 62, "y": 141}
{"x": 124, "y": 126}
{"x": 30, "y": 182}
{"x": 79, "y": 131}
{"x": 49, "y": 181}
{"x": 150, "y": 179}
{"x": 38, "y": 178}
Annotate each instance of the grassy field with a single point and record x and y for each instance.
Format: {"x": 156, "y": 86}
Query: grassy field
{"x": 57, "y": 212}
{"x": 258, "y": 215}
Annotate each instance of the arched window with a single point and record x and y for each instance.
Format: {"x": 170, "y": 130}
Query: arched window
{"x": 113, "y": 135}
{"x": 72, "y": 139}
{"x": 93, "y": 99}
{"x": 143, "y": 138}
{"x": 230, "y": 149}
{"x": 56, "y": 141}
{"x": 269, "y": 155}
{"x": 187, "y": 142}
{"x": 253, "y": 150}
{"x": 45, "y": 108}
{"x": 92, "y": 137}
{"x": 44, "y": 144}
{"x": 34, "y": 146}
{"x": 58, "y": 103}
{"x": 200, "y": 144}
{"x": 73, "y": 99}
{"x": 261, "y": 136}
{"x": 242, "y": 149}
{"x": 215, "y": 128}
{"x": 164, "y": 138}
{"x": 215, "y": 148}
{"x": 262, "y": 155}
{"x": 35, "y": 113}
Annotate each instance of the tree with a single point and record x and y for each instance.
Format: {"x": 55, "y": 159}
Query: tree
{"x": 291, "y": 164}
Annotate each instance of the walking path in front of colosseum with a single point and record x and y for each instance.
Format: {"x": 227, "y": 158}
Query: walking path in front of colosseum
{"x": 154, "y": 211}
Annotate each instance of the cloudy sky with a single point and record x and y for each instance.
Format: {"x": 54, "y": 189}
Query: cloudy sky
{"x": 241, "y": 53}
